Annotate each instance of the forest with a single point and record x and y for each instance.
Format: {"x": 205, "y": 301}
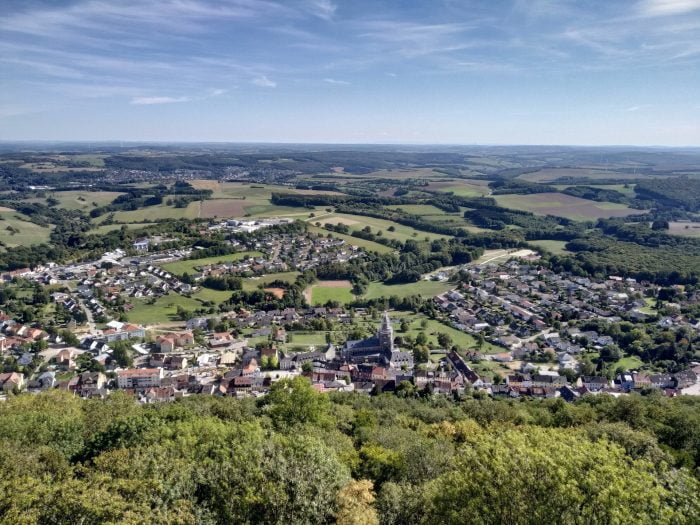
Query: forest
{"x": 297, "y": 456}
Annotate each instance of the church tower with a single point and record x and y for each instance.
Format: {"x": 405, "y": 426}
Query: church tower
{"x": 386, "y": 335}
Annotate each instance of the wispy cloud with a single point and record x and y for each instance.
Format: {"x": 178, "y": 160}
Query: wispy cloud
{"x": 336, "y": 81}
{"x": 323, "y": 9}
{"x": 263, "y": 81}
{"x": 667, "y": 7}
{"x": 147, "y": 101}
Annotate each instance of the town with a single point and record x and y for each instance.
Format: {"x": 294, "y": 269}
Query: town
{"x": 533, "y": 332}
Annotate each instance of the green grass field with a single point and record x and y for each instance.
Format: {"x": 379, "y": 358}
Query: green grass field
{"x": 417, "y": 209}
{"x": 164, "y": 310}
{"x": 17, "y": 230}
{"x": 353, "y": 241}
{"x": 84, "y": 200}
{"x": 190, "y": 265}
{"x": 216, "y": 296}
{"x": 322, "y": 294}
{"x": 251, "y": 283}
{"x": 629, "y": 363}
{"x": 358, "y": 222}
{"x": 377, "y": 290}
{"x": 434, "y": 327}
{"x": 555, "y": 247}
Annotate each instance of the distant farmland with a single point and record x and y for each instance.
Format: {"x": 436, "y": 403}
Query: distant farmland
{"x": 553, "y": 174}
{"x": 566, "y": 206}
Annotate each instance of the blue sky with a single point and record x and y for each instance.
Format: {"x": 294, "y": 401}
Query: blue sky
{"x": 355, "y": 71}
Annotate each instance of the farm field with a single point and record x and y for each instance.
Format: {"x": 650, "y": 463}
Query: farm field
{"x": 190, "y": 265}
{"x": 555, "y": 247}
{"x": 553, "y": 174}
{"x": 566, "y": 206}
{"x": 462, "y": 187}
{"x": 358, "y": 222}
{"x": 17, "y": 230}
{"x": 324, "y": 291}
{"x": 424, "y": 288}
{"x": 251, "y": 283}
{"x": 685, "y": 229}
{"x": 628, "y": 191}
{"x": 353, "y": 241}
{"x": 84, "y": 200}
{"x": 417, "y": 209}
{"x": 161, "y": 211}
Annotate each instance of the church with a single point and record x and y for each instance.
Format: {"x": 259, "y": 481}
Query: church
{"x": 378, "y": 349}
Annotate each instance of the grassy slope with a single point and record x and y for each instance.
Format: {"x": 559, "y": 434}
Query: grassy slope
{"x": 29, "y": 233}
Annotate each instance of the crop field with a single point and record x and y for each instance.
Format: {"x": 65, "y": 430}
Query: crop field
{"x": 417, "y": 209}
{"x": 377, "y": 290}
{"x": 400, "y": 174}
{"x": 685, "y": 229}
{"x": 552, "y": 174}
{"x": 161, "y": 211}
{"x": 462, "y": 187}
{"x": 84, "y": 200}
{"x": 323, "y": 291}
{"x": 566, "y": 206}
{"x": 358, "y": 222}
{"x": 17, "y": 230}
{"x": 223, "y": 208}
{"x": 190, "y": 265}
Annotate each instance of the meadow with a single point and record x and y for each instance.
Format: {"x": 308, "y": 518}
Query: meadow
{"x": 553, "y": 174}
{"x": 555, "y": 247}
{"x": 358, "y": 222}
{"x": 84, "y": 200}
{"x": 17, "y": 230}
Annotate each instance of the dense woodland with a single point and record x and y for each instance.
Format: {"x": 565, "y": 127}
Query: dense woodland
{"x": 297, "y": 456}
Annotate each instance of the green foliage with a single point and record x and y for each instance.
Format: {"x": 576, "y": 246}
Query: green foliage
{"x": 298, "y": 456}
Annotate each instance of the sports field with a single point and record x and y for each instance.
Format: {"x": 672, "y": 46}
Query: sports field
{"x": 324, "y": 291}
{"x": 425, "y": 289}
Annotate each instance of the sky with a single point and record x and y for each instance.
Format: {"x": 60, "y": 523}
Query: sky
{"x": 589, "y": 72}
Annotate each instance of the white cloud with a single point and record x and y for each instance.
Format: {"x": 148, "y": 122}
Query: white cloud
{"x": 324, "y": 9}
{"x": 632, "y": 109}
{"x": 215, "y": 92}
{"x": 668, "y": 7}
{"x": 147, "y": 101}
{"x": 337, "y": 82}
{"x": 263, "y": 81}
